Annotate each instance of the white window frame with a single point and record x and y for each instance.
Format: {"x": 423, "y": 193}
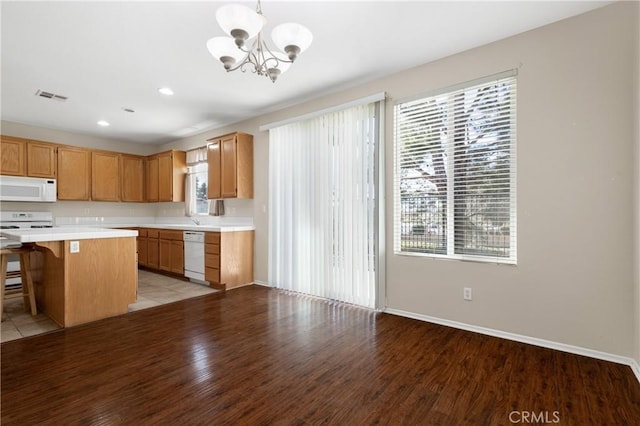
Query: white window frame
{"x": 400, "y": 229}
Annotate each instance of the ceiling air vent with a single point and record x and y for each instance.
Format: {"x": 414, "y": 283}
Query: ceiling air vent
{"x": 50, "y": 95}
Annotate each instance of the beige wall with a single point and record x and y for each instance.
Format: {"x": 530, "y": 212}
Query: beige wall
{"x": 636, "y": 190}
{"x": 574, "y": 282}
{"x": 67, "y": 138}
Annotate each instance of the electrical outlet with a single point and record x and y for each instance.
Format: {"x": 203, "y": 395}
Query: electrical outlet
{"x": 467, "y": 293}
{"x": 74, "y": 247}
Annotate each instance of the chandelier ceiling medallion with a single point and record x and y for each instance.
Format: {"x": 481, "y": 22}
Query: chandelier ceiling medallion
{"x": 246, "y": 48}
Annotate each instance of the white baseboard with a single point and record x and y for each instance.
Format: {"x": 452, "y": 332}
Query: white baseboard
{"x": 262, "y": 283}
{"x": 635, "y": 367}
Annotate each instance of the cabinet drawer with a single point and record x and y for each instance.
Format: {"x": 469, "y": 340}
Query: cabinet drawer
{"x": 212, "y": 238}
{"x": 170, "y": 235}
{"x": 212, "y": 260}
{"x": 142, "y": 232}
{"x": 152, "y": 233}
{"x": 212, "y": 248}
{"x": 212, "y": 275}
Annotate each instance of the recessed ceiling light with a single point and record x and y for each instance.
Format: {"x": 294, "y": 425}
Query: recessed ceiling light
{"x": 103, "y": 123}
{"x": 165, "y": 91}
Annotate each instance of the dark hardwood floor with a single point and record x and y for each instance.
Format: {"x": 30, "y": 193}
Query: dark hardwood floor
{"x": 260, "y": 356}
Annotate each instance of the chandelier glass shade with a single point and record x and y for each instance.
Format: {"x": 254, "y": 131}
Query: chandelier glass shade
{"x": 246, "y": 47}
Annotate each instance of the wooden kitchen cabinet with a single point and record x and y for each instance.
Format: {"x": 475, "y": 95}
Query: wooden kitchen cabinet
{"x": 41, "y": 159}
{"x": 74, "y": 173}
{"x": 13, "y": 156}
{"x": 153, "y": 253}
{"x": 143, "y": 255}
{"x": 151, "y": 185}
{"x": 177, "y": 256}
{"x": 105, "y": 176}
{"x": 230, "y": 160}
{"x": 228, "y": 259}
{"x": 132, "y": 178}
{"x": 166, "y": 172}
{"x": 171, "y": 247}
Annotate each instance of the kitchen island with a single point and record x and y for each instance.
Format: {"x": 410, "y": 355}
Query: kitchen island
{"x": 81, "y": 274}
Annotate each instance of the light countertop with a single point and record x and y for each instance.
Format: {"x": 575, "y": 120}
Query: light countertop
{"x": 76, "y": 232}
{"x": 187, "y": 227}
{"x": 64, "y": 233}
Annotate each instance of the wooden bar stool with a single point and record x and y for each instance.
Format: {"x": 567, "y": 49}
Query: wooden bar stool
{"x": 28, "y": 293}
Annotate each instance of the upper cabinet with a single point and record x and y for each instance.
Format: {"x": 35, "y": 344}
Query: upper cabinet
{"x": 41, "y": 159}
{"x": 13, "y": 156}
{"x": 84, "y": 174}
{"x": 132, "y": 178}
{"x": 22, "y": 157}
{"x": 74, "y": 174}
{"x": 230, "y": 160}
{"x": 105, "y": 176}
{"x": 151, "y": 184}
{"x": 166, "y": 172}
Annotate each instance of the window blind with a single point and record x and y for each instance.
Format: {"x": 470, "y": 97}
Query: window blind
{"x": 322, "y": 204}
{"x": 455, "y": 172}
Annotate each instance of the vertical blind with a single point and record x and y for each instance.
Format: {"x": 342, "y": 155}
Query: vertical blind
{"x": 322, "y": 199}
{"x": 455, "y": 172}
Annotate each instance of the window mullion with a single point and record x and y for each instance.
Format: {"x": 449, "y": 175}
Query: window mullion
{"x": 449, "y": 148}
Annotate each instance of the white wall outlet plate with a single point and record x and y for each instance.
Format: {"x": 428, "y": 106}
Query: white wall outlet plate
{"x": 74, "y": 247}
{"x": 467, "y": 293}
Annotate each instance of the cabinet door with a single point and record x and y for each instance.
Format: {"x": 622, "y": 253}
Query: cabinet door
{"x": 214, "y": 188}
{"x": 165, "y": 177}
{"x": 105, "y": 176}
{"x": 41, "y": 159}
{"x": 12, "y": 156}
{"x": 74, "y": 174}
{"x": 153, "y": 255}
{"x": 229, "y": 176}
{"x": 152, "y": 179}
{"x": 132, "y": 182}
{"x": 177, "y": 257}
{"x": 142, "y": 251}
{"x": 165, "y": 255}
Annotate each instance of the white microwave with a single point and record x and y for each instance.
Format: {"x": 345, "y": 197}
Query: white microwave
{"x": 17, "y": 188}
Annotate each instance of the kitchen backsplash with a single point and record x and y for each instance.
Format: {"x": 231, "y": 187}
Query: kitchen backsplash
{"x": 84, "y": 208}
{"x": 97, "y": 213}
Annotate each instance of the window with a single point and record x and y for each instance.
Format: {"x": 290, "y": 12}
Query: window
{"x": 199, "y": 182}
{"x": 196, "y": 202}
{"x": 455, "y": 172}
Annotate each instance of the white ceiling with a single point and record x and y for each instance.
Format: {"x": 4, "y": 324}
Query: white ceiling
{"x": 106, "y": 56}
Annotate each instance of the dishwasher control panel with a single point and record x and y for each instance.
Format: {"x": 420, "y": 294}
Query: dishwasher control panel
{"x": 193, "y": 236}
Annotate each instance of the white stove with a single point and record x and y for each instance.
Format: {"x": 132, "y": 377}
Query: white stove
{"x": 20, "y": 220}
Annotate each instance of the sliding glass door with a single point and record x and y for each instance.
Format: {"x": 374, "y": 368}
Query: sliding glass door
{"x": 323, "y": 205}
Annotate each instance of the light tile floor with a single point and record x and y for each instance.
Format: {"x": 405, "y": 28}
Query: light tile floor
{"x": 153, "y": 290}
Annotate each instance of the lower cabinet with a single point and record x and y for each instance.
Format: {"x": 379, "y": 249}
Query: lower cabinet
{"x": 228, "y": 255}
{"x": 228, "y": 259}
{"x": 153, "y": 252}
{"x": 143, "y": 255}
{"x": 171, "y": 251}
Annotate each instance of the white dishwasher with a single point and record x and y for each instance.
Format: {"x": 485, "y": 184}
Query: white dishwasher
{"x": 194, "y": 255}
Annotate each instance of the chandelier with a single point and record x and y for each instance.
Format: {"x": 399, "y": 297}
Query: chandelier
{"x": 246, "y": 48}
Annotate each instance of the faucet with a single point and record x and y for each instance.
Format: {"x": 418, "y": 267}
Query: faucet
{"x": 196, "y": 221}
